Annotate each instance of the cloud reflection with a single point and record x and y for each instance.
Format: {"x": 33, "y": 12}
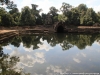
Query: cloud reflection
{"x": 83, "y": 54}
{"x": 76, "y": 60}
{"x": 7, "y": 47}
{"x": 28, "y": 59}
{"x": 44, "y": 46}
{"x": 56, "y": 70}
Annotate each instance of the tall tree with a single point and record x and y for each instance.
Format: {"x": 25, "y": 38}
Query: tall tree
{"x": 27, "y": 18}
{"x": 82, "y": 8}
{"x": 98, "y": 16}
{"x": 65, "y": 8}
{"x": 73, "y": 17}
{"x": 2, "y": 12}
{"x": 36, "y": 13}
{"x": 16, "y": 15}
{"x": 7, "y": 20}
{"x": 43, "y": 18}
{"x": 53, "y": 11}
{"x": 62, "y": 18}
{"x": 10, "y": 4}
{"x": 90, "y": 17}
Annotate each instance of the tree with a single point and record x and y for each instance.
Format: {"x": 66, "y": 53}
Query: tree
{"x": 43, "y": 18}
{"x": 82, "y": 9}
{"x": 62, "y": 18}
{"x": 98, "y": 14}
{"x": 90, "y": 17}
{"x": 73, "y": 17}
{"x": 53, "y": 11}
{"x": 4, "y": 1}
{"x": 36, "y": 13}
{"x": 7, "y": 20}
{"x": 27, "y": 18}
{"x": 0, "y": 20}
{"x": 10, "y": 4}
{"x": 16, "y": 15}
{"x": 65, "y": 8}
{"x": 14, "y": 10}
{"x": 2, "y": 12}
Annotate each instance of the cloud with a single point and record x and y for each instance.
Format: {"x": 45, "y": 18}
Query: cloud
{"x": 44, "y": 46}
{"x": 97, "y": 43}
{"x": 76, "y": 60}
{"x": 29, "y": 49}
{"x": 28, "y": 59}
{"x": 83, "y": 54}
{"x": 89, "y": 2}
{"x": 93, "y": 4}
{"x": 23, "y": 3}
{"x": 39, "y": 54}
{"x": 56, "y": 70}
{"x": 8, "y": 48}
{"x": 97, "y": 8}
{"x": 46, "y": 4}
{"x": 89, "y": 48}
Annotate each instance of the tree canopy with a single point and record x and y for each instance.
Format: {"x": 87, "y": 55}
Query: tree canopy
{"x": 80, "y": 15}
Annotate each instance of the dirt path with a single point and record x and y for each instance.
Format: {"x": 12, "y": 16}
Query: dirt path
{"x": 5, "y": 31}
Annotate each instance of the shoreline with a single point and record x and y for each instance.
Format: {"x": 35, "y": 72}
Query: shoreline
{"x": 6, "y": 31}
{"x": 49, "y": 29}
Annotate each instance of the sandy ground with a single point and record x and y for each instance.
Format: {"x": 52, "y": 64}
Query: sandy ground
{"x": 11, "y": 29}
{"x": 5, "y": 31}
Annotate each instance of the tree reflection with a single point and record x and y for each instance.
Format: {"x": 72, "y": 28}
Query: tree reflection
{"x": 66, "y": 41}
{"x": 81, "y": 41}
{"x": 16, "y": 41}
{"x": 8, "y": 63}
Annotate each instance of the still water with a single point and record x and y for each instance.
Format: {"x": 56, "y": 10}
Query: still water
{"x": 50, "y": 54}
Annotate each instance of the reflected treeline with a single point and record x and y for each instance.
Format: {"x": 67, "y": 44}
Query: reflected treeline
{"x": 8, "y": 65}
{"x": 66, "y": 41}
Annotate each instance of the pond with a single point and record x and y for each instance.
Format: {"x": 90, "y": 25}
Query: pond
{"x": 51, "y": 54}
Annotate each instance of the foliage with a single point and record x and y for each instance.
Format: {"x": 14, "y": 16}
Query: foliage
{"x": 54, "y": 14}
{"x": 65, "y": 8}
{"x": 26, "y": 17}
{"x": 7, "y": 20}
{"x": 16, "y": 15}
{"x": 10, "y": 4}
{"x": 62, "y": 18}
{"x": 98, "y": 14}
{"x": 65, "y": 41}
{"x": 80, "y": 15}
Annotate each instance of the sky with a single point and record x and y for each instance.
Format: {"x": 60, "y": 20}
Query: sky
{"x": 46, "y": 4}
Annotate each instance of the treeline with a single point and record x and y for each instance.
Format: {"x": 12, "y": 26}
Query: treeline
{"x": 66, "y": 42}
{"x": 80, "y": 15}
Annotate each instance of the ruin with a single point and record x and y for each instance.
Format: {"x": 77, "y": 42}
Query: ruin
{"x": 59, "y": 27}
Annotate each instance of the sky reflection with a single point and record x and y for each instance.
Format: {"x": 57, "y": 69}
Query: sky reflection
{"x": 47, "y": 60}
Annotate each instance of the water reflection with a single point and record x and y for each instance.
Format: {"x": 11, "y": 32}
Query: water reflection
{"x": 50, "y": 54}
{"x": 65, "y": 41}
{"x": 7, "y": 64}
